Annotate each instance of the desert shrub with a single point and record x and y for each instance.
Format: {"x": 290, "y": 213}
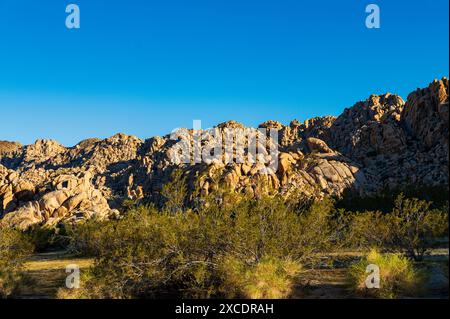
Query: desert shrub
{"x": 268, "y": 226}
{"x": 46, "y": 238}
{"x": 270, "y": 278}
{"x": 175, "y": 192}
{"x": 14, "y": 249}
{"x": 150, "y": 253}
{"x": 367, "y": 230}
{"x": 90, "y": 288}
{"x": 411, "y": 227}
{"x": 179, "y": 252}
{"x": 129, "y": 204}
{"x": 264, "y": 227}
{"x": 318, "y": 233}
{"x": 415, "y": 227}
{"x": 398, "y": 277}
{"x": 84, "y": 238}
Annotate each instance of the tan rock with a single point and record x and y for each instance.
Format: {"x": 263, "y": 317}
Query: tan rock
{"x": 317, "y": 145}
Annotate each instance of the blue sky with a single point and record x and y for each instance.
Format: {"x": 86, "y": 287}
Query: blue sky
{"x": 147, "y": 67}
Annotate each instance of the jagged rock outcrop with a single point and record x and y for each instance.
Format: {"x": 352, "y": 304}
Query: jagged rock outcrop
{"x": 369, "y": 127}
{"x": 380, "y": 142}
{"x": 426, "y": 114}
{"x": 398, "y": 142}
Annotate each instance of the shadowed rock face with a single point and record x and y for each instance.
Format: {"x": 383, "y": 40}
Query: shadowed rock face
{"x": 380, "y": 142}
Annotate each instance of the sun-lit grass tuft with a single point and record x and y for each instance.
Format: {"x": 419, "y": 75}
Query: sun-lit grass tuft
{"x": 398, "y": 277}
{"x": 271, "y": 278}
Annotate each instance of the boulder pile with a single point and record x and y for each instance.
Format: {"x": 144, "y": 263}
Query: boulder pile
{"x": 377, "y": 143}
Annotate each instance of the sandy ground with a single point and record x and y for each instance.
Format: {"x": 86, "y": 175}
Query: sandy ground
{"x": 46, "y": 273}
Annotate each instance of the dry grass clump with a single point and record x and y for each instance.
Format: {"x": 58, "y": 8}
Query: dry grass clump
{"x": 271, "y": 278}
{"x": 398, "y": 277}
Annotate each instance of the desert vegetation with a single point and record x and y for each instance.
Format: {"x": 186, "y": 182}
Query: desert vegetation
{"x": 233, "y": 246}
{"x": 397, "y": 274}
{"x": 14, "y": 249}
{"x": 144, "y": 225}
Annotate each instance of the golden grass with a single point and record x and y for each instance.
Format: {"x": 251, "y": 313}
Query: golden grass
{"x": 48, "y": 265}
{"x": 398, "y": 276}
{"x": 46, "y": 273}
{"x": 270, "y": 278}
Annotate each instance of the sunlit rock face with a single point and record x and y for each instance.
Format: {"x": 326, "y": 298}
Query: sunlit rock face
{"x": 380, "y": 142}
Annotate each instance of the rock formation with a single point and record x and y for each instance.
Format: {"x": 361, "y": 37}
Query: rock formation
{"x": 381, "y": 142}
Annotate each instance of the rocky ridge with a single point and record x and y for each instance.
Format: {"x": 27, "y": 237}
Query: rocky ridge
{"x": 380, "y": 142}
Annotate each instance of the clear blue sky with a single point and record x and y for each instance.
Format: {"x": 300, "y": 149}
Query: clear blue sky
{"x": 147, "y": 67}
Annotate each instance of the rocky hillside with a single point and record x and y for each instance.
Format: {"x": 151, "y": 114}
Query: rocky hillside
{"x": 380, "y": 142}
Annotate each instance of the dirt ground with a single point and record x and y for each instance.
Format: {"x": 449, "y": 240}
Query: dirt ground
{"x": 46, "y": 273}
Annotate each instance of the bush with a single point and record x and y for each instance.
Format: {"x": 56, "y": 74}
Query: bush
{"x": 231, "y": 245}
{"x": 271, "y": 278}
{"x": 90, "y": 288}
{"x": 14, "y": 249}
{"x": 414, "y": 227}
{"x": 398, "y": 278}
{"x": 411, "y": 227}
{"x": 150, "y": 253}
{"x": 175, "y": 192}
{"x": 47, "y": 238}
{"x": 384, "y": 200}
{"x": 368, "y": 230}
{"x": 85, "y": 237}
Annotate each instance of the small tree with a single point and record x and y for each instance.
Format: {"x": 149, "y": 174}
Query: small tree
{"x": 414, "y": 226}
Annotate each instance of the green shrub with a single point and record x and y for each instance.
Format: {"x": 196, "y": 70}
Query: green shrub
{"x": 175, "y": 192}
{"x": 14, "y": 249}
{"x": 411, "y": 227}
{"x": 150, "y": 253}
{"x": 368, "y": 229}
{"x": 85, "y": 237}
{"x": 47, "y": 238}
{"x": 90, "y": 288}
{"x": 398, "y": 278}
{"x": 414, "y": 227}
{"x": 232, "y": 245}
